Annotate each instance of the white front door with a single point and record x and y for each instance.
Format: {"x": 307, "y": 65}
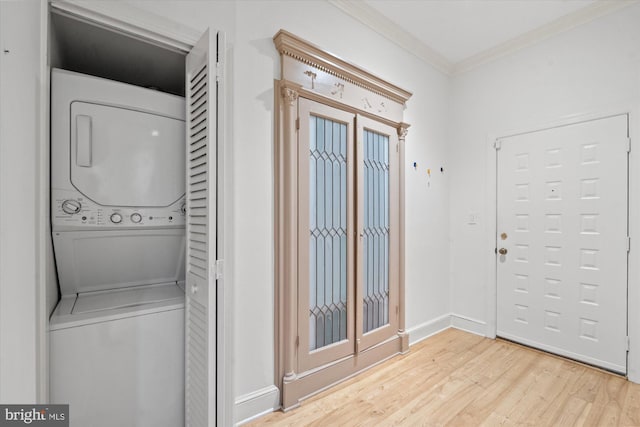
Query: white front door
{"x": 562, "y": 240}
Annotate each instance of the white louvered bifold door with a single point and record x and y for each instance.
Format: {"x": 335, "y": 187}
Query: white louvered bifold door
{"x": 200, "y": 322}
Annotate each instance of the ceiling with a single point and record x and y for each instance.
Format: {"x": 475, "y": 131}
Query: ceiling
{"x": 455, "y": 35}
{"x": 462, "y": 28}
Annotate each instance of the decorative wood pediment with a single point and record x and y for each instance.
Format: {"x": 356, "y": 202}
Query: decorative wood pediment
{"x": 325, "y": 74}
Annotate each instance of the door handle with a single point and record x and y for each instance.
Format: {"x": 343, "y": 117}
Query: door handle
{"x": 83, "y": 141}
{"x": 502, "y": 251}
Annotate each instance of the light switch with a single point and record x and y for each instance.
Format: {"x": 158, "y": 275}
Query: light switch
{"x": 473, "y": 218}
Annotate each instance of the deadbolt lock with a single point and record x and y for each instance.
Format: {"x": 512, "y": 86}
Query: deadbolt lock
{"x": 503, "y": 236}
{"x": 502, "y": 251}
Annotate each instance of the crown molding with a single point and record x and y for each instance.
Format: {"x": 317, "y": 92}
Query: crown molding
{"x": 393, "y": 32}
{"x": 131, "y": 20}
{"x": 560, "y": 25}
{"x": 379, "y": 23}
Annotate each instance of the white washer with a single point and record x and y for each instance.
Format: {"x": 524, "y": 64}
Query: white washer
{"x": 117, "y": 214}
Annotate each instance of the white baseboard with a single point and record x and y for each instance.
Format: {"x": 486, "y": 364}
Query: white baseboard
{"x": 427, "y": 329}
{"x": 468, "y": 324}
{"x": 256, "y": 404}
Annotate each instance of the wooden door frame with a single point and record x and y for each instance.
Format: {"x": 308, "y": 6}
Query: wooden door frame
{"x": 312, "y": 73}
{"x": 633, "y": 268}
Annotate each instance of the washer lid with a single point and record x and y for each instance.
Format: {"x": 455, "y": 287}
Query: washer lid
{"x": 91, "y": 261}
{"x": 106, "y": 300}
{"x": 123, "y": 157}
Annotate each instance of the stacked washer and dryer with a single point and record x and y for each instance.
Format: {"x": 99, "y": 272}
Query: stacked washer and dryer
{"x": 118, "y": 226}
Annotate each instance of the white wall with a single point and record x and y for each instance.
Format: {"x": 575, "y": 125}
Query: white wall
{"x": 590, "y": 69}
{"x": 19, "y": 113}
{"x": 584, "y": 70}
{"x": 587, "y": 69}
{"x": 256, "y": 65}
{"x": 250, "y": 27}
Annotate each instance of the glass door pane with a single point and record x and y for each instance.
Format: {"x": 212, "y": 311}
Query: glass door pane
{"x": 327, "y": 232}
{"x": 378, "y": 274}
{"x": 375, "y": 239}
{"x": 326, "y": 240}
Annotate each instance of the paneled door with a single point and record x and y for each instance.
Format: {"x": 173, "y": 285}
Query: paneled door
{"x": 562, "y": 240}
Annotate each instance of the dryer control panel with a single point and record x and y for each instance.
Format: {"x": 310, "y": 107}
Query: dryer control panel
{"x": 72, "y": 211}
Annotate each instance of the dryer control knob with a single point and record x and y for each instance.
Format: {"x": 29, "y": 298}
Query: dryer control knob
{"x": 136, "y": 217}
{"x": 71, "y": 206}
{"x": 116, "y": 218}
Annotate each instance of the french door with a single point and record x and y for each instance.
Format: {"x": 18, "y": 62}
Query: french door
{"x": 348, "y": 265}
{"x": 378, "y": 242}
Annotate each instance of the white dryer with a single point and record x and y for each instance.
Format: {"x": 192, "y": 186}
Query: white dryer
{"x": 117, "y": 214}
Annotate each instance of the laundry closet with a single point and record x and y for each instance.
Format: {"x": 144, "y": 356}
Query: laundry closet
{"x": 133, "y": 176}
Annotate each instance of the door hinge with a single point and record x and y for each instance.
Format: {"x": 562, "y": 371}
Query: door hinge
{"x": 298, "y": 123}
{"x": 628, "y": 343}
{"x": 358, "y": 345}
{"x": 217, "y": 269}
{"x": 628, "y": 145}
{"x": 497, "y": 144}
{"x": 219, "y": 71}
{"x": 298, "y": 341}
{"x": 628, "y": 244}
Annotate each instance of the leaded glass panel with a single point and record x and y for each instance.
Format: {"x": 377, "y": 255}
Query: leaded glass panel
{"x": 328, "y": 232}
{"x": 375, "y": 231}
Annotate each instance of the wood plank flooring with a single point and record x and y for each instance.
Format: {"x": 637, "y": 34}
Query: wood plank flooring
{"x": 459, "y": 379}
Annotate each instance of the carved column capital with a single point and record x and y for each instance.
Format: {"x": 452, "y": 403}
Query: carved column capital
{"x": 403, "y": 130}
{"x": 289, "y": 95}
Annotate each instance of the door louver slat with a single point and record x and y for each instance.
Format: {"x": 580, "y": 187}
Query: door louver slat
{"x": 200, "y": 178}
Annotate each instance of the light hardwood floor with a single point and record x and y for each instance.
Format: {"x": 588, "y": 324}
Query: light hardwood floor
{"x": 460, "y": 379}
